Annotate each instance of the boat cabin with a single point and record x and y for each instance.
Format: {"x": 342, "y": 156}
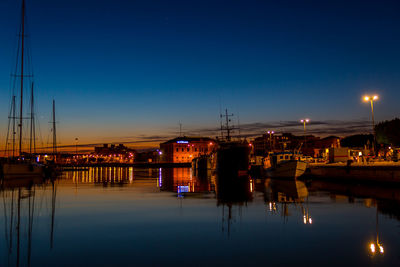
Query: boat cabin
{"x": 278, "y": 157}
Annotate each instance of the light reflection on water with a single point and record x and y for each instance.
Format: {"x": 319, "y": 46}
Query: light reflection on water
{"x": 126, "y": 216}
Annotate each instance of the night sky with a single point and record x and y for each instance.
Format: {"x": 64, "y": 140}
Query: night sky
{"x": 124, "y": 70}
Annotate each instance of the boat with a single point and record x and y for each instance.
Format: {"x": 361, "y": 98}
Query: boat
{"x": 284, "y": 164}
{"x": 24, "y": 164}
{"x": 231, "y": 156}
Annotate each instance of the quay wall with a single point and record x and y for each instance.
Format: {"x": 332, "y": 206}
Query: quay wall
{"x": 138, "y": 165}
{"x": 372, "y": 173}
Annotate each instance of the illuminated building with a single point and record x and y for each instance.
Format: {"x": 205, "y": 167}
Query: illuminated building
{"x": 114, "y": 153}
{"x": 185, "y": 149}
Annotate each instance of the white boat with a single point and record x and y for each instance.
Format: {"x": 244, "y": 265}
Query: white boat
{"x": 284, "y": 165}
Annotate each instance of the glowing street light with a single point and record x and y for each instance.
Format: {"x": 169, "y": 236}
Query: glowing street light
{"x": 270, "y": 139}
{"x": 76, "y": 147}
{"x": 375, "y": 246}
{"x": 371, "y": 99}
{"x": 304, "y": 121}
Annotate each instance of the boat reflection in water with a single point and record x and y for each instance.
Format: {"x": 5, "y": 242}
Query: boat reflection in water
{"x": 131, "y": 212}
{"x": 232, "y": 192}
{"x": 21, "y": 211}
{"x": 285, "y": 193}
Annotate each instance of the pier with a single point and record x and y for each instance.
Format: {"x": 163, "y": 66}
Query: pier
{"x": 372, "y": 172}
{"x": 116, "y": 164}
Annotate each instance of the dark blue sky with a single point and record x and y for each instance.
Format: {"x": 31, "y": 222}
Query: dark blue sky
{"x": 120, "y": 69}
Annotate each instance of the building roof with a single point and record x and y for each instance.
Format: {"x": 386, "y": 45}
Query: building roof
{"x": 189, "y": 139}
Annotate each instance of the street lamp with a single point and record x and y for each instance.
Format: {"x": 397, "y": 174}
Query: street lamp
{"x": 270, "y": 139}
{"x": 375, "y": 246}
{"x": 76, "y": 148}
{"x": 304, "y": 121}
{"x": 371, "y": 99}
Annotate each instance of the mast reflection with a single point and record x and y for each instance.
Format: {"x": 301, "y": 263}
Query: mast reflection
{"x": 232, "y": 191}
{"x": 20, "y": 211}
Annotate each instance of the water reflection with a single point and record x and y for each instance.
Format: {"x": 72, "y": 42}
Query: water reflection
{"x": 184, "y": 183}
{"x": 108, "y": 176}
{"x": 20, "y": 211}
{"x": 141, "y": 210}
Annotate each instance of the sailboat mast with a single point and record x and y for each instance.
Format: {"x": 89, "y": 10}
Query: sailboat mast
{"x": 54, "y": 130}
{"x": 31, "y": 140}
{"x": 22, "y": 76}
{"x": 13, "y": 126}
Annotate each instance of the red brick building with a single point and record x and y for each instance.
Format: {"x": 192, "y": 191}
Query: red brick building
{"x": 184, "y": 149}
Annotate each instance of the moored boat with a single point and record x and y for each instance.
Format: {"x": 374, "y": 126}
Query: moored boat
{"x": 23, "y": 169}
{"x": 285, "y": 165}
{"x": 233, "y": 156}
{"x": 21, "y": 166}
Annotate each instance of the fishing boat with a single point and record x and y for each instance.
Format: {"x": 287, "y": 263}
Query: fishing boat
{"x": 24, "y": 163}
{"x": 232, "y": 156}
{"x": 284, "y": 164}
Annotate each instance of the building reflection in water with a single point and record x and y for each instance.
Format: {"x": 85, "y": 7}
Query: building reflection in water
{"x": 20, "y": 212}
{"x": 284, "y": 193}
{"x": 108, "y": 176}
{"x": 231, "y": 194}
{"x": 184, "y": 183}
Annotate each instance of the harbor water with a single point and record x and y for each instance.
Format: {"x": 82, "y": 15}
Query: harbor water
{"x": 168, "y": 217}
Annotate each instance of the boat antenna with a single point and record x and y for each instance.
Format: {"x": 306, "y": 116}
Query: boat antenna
{"x": 227, "y": 128}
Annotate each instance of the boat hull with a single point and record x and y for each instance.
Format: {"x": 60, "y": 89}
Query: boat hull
{"x": 291, "y": 169}
{"x": 14, "y": 170}
{"x": 233, "y": 158}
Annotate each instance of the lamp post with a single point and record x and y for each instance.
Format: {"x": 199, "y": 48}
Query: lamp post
{"x": 304, "y": 121}
{"x": 76, "y": 148}
{"x": 375, "y": 246}
{"x": 270, "y": 139}
{"x": 371, "y": 99}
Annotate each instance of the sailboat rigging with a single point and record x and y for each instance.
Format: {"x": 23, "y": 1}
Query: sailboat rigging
{"x": 23, "y": 163}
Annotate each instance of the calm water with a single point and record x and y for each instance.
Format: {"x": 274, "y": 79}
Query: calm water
{"x": 158, "y": 217}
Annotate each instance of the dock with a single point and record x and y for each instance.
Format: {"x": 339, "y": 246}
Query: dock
{"x": 371, "y": 172}
{"x": 72, "y": 166}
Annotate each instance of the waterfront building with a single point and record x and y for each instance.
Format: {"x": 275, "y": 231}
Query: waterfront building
{"x": 113, "y": 153}
{"x": 185, "y": 149}
{"x": 319, "y": 147}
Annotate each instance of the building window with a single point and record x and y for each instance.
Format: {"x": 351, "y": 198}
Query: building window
{"x": 187, "y": 149}
{"x": 195, "y": 149}
{"x": 177, "y": 149}
{"x": 182, "y": 149}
